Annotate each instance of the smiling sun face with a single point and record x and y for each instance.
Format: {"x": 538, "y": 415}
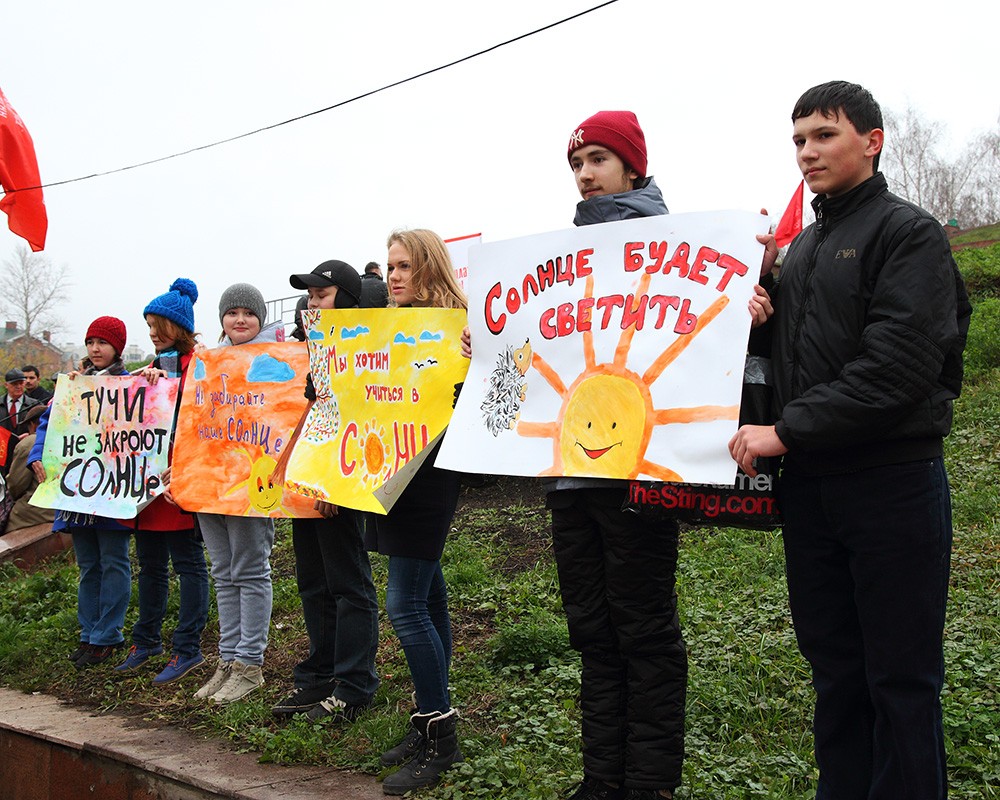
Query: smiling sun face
{"x": 604, "y": 426}
{"x": 607, "y": 416}
{"x": 263, "y": 496}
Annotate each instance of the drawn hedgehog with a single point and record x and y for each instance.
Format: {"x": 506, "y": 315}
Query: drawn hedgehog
{"x": 502, "y": 405}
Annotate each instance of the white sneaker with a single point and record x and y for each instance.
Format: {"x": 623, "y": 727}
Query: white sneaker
{"x": 243, "y": 679}
{"x": 222, "y": 672}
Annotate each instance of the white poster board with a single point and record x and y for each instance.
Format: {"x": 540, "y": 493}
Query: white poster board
{"x": 613, "y": 350}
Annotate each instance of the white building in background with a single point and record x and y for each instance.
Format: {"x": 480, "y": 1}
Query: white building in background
{"x": 134, "y": 353}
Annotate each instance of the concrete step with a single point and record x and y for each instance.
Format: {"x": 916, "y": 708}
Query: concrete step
{"x": 28, "y": 546}
{"x": 50, "y": 750}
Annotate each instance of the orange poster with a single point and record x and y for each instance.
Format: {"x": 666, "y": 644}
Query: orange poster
{"x": 240, "y": 405}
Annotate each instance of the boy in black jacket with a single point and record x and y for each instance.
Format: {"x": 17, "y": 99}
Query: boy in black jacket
{"x": 867, "y": 337}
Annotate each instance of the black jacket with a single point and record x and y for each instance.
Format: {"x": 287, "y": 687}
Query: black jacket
{"x": 5, "y": 420}
{"x": 420, "y": 520}
{"x": 374, "y": 292}
{"x": 871, "y": 316}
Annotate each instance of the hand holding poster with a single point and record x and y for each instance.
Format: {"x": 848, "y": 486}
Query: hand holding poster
{"x": 240, "y": 405}
{"x": 106, "y": 444}
{"x": 385, "y": 384}
{"x": 612, "y": 350}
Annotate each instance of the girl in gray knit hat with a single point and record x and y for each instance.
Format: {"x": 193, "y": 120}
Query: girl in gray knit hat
{"x": 240, "y": 547}
{"x": 241, "y": 310}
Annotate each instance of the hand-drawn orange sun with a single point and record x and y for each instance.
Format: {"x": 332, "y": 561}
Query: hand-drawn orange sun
{"x": 263, "y": 496}
{"x": 607, "y": 417}
{"x": 375, "y": 454}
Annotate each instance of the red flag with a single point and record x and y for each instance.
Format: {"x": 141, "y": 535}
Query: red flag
{"x": 791, "y": 221}
{"x": 6, "y": 446}
{"x": 19, "y": 170}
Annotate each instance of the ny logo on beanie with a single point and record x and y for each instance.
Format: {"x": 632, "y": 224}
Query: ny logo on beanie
{"x": 576, "y": 140}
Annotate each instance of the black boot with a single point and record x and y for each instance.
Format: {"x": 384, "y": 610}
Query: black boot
{"x": 439, "y": 751}
{"x": 406, "y": 749}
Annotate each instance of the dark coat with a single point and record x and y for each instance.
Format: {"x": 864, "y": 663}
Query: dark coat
{"x": 40, "y": 393}
{"x": 21, "y": 484}
{"x": 870, "y": 321}
{"x": 419, "y": 521}
{"x": 5, "y": 421}
{"x": 374, "y": 292}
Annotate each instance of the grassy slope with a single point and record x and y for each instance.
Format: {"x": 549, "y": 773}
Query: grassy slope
{"x": 987, "y": 233}
{"x": 516, "y": 681}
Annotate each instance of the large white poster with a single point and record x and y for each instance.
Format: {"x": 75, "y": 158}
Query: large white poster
{"x": 612, "y": 350}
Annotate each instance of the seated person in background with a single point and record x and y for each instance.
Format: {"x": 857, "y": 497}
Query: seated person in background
{"x": 21, "y": 480}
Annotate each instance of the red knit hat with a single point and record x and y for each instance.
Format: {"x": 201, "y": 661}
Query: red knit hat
{"x": 619, "y": 131}
{"x": 111, "y": 330}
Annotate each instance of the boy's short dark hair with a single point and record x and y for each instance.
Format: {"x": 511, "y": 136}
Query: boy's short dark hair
{"x": 31, "y": 368}
{"x": 841, "y": 97}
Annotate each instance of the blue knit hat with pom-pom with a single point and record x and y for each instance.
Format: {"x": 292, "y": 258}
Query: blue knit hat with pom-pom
{"x": 177, "y": 304}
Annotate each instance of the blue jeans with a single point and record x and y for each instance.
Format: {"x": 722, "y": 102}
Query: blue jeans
{"x": 105, "y": 583}
{"x": 339, "y": 606}
{"x": 416, "y": 600}
{"x": 867, "y": 559}
{"x": 155, "y": 551}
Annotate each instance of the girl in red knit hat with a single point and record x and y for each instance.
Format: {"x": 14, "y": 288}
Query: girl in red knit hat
{"x": 100, "y": 544}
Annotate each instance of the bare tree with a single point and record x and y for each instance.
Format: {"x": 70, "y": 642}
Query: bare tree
{"x": 964, "y": 188}
{"x": 33, "y": 289}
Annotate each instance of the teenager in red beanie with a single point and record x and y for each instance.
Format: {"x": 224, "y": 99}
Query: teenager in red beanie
{"x": 616, "y": 569}
{"x": 100, "y": 544}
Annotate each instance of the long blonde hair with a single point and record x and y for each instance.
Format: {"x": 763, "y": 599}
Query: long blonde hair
{"x": 432, "y": 277}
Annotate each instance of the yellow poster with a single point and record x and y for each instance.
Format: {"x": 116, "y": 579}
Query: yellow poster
{"x": 385, "y": 383}
{"x": 240, "y": 405}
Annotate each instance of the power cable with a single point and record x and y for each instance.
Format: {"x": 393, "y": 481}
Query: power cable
{"x": 342, "y": 103}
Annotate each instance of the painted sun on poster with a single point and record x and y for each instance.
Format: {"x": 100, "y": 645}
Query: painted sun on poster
{"x": 385, "y": 382}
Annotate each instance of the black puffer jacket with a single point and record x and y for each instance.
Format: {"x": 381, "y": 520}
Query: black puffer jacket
{"x": 870, "y": 323}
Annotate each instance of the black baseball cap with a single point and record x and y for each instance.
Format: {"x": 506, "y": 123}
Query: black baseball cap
{"x": 331, "y": 273}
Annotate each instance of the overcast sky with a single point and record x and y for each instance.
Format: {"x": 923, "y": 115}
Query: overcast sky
{"x": 479, "y": 147}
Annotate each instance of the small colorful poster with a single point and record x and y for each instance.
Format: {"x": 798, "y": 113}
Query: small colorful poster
{"x": 385, "y": 384}
{"x": 239, "y": 408}
{"x": 614, "y": 350}
{"x": 106, "y": 444}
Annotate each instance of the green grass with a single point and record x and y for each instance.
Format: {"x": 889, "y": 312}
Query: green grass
{"x": 515, "y": 679}
{"x": 987, "y": 233}
{"x": 981, "y": 268}
{"x": 517, "y": 682}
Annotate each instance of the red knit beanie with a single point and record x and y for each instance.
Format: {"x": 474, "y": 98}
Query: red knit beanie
{"x": 111, "y": 330}
{"x": 619, "y": 131}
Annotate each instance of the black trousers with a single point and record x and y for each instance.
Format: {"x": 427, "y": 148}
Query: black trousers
{"x": 867, "y": 558}
{"x": 339, "y": 606}
{"x": 616, "y": 575}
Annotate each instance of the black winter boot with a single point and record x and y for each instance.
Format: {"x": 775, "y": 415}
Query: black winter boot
{"x": 406, "y": 749}
{"x": 439, "y": 751}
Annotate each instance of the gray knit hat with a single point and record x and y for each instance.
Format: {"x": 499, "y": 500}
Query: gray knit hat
{"x": 243, "y": 295}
